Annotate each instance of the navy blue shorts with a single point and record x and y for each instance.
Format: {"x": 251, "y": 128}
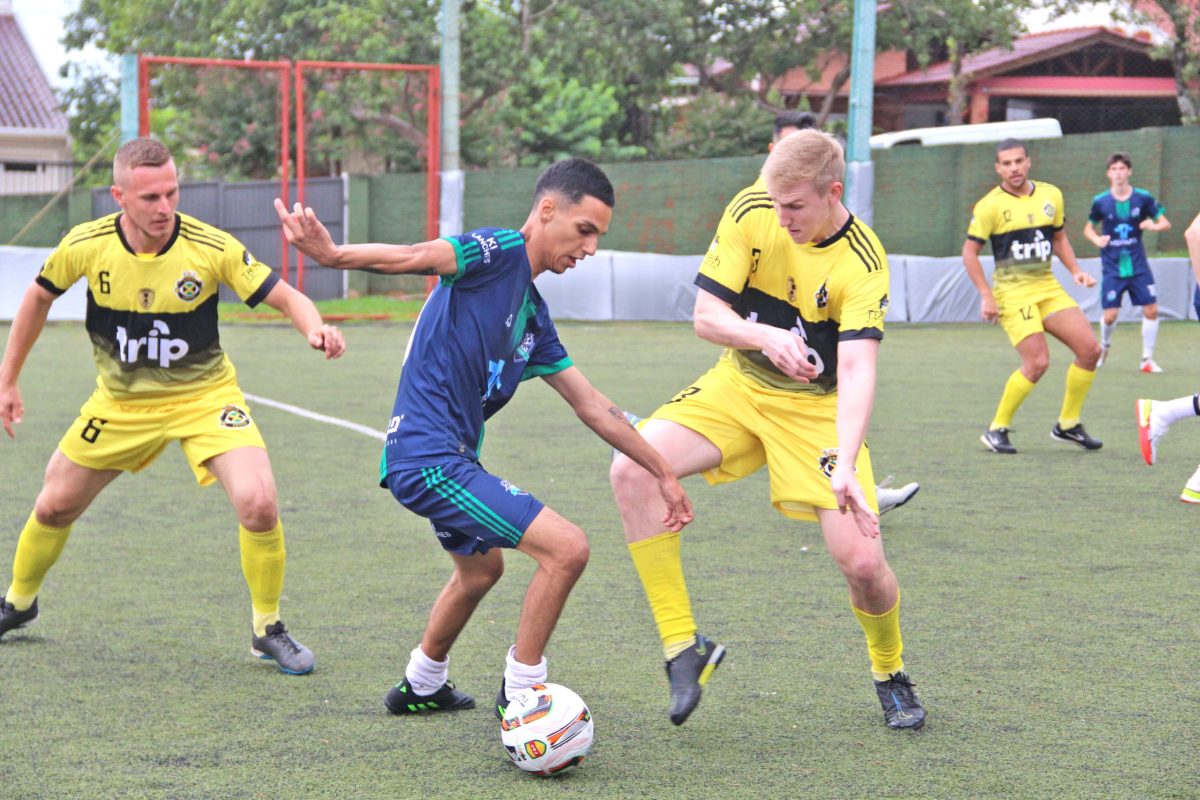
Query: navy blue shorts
{"x": 1140, "y": 288}
{"x": 1196, "y": 301}
{"x": 471, "y": 510}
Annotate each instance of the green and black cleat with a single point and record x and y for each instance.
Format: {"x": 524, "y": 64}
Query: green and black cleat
{"x": 401, "y": 699}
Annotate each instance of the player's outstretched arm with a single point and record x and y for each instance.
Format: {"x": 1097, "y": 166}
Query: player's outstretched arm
{"x": 856, "y": 399}
{"x": 1094, "y": 236}
{"x": 609, "y": 423}
{"x": 306, "y": 319}
{"x": 27, "y": 326}
{"x": 305, "y": 232}
{"x": 1156, "y": 225}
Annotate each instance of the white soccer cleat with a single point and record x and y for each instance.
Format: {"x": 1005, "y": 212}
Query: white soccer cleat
{"x": 1150, "y": 366}
{"x": 1191, "y": 491}
{"x": 1151, "y": 428}
{"x": 887, "y": 498}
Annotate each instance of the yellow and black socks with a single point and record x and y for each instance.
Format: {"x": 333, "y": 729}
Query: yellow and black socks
{"x": 660, "y": 567}
{"x": 1079, "y": 382}
{"x": 1016, "y": 390}
{"x": 884, "y": 645}
{"x": 37, "y": 549}
{"x": 263, "y": 558}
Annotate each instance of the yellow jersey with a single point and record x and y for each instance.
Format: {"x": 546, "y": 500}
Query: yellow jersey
{"x": 1021, "y": 230}
{"x": 152, "y": 319}
{"x": 826, "y": 292}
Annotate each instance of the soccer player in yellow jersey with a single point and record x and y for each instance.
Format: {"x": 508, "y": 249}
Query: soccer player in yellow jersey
{"x": 152, "y": 277}
{"x": 1024, "y": 223}
{"x": 796, "y": 288}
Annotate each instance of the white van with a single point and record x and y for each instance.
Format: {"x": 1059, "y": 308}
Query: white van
{"x": 1044, "y": 128}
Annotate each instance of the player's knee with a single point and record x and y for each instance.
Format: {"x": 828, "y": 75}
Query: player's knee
{"x": 571, "y": 553}
{"x": 1035, "y": 366}
{"x": 478, "y": 582}
{"x": 628, "y": 480}
{"x": 864, "y": 568}
{"x": 56, "y": 511}
{"x": 257, "y": 509}
{"x": 1090, "y": 354}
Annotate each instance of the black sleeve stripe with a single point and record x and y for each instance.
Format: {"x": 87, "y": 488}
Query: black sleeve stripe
{"x": 976, "y": 239}
{"x": 742, "y": 201}
{"x": 856, "y": 237}
{"x": 205, "y": 242}
{"x": 716, "y": 289}
{"x": 861, "y": 333}
{"x": 858, "y": 251}
{"x": 196, "y": 234}
{"x": 263, "y": 290}
{"x": 748, "y": 209}
{"x": 48, "y": 286}
{"x": 83, "y": 237}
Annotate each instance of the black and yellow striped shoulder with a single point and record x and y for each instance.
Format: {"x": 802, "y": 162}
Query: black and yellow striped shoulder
{"x": 863, "y": 244}
{"x": 104, "y": 226}
{"x": 749, "y": 200}
{"x": 202, "y": 233}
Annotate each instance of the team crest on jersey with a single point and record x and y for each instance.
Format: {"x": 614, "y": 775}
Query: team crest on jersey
{"x": 189, "y": 287}
{"x": 145, "y": 299}
{"x": 511, "y": 489}
{"x": 525, "y": 348}
{"x": 234, "y": 417}
{"x": 828, "y": 461}
{"x": 791, "y": 289}
{"x": 755, "y": 256}
{"x": 247, "y": 259}
{"x": 821, "y": 296}
{"x": 1048, "y": 209}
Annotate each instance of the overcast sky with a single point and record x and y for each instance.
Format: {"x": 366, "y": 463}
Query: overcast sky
{"x": 42, "y": 21}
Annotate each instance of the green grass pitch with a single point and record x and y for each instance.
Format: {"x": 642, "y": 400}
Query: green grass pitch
{"x": 1050, "y": 598}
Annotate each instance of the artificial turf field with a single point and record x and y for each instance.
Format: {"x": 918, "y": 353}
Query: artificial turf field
{"x": 1050, "y": 605}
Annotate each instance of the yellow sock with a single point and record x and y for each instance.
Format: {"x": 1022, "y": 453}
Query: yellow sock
{"x": 884, "y": 644}
{"x": 263, "y": 557}
{"x": 1016, "y": 390}
{"x": 37, "y": 549}
{"x": 1079, "y": 382}
{"x": 661, "y": 569}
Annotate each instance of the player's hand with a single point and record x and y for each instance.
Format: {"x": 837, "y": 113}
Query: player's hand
{"x": 789, "y": 353}
{"x": 679, "y": 505}
{"x": 11, "y": 409}
{"x": 1084, "y": 279}
{"x": 1102, "y": 241}
{"x": 851, "y": 500}
{"x": 1147, "y": 224}
{"x": 329, "y": 339}
{"x": 988, "y": 308}
{"x": 305, "y": 232}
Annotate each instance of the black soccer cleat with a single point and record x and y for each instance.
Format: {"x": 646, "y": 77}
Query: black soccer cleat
{"x": 996, "y": 440}
{"x": 279, "y": 646}
{"x": 1076, "y": 435}
{"x": 10, "y": 618}
{"x": 401, "y": 699}
{"x": 688, "y": 672}
{"x": 902, "y": 708}
{"x": 501, "y": 701}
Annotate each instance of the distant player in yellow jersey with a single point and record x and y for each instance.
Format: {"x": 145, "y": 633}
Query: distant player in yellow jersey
{"x": 796, "y": 289}
{"x": 152, "y": 278}
{"x": 1024, "y": 223}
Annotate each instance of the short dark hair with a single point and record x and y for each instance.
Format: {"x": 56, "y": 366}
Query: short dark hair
{"x": 575, "y": 178}
{"x": 1122, "y": 157}
{"x": 794, "y": 119}
{"x": 1010, "y": 144}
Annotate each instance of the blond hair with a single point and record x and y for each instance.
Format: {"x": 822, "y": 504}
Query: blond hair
{"x": 805, "y": 156}
{"x": 141, "y": 152}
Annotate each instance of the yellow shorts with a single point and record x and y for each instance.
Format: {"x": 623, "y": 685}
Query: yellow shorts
{"x": 1024, "y": 306}
{"x": 794, "y": 435}
{"x": 128, "y": 436}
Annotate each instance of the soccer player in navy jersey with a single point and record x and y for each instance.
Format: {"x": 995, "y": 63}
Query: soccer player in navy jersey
{"x": 483, "y": 330}
{"x": 1121, "y": 214}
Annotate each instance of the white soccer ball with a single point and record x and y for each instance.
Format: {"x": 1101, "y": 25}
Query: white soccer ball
{"x": 546, "y": 729}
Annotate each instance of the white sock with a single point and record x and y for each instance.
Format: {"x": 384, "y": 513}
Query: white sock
{"x": 425, "y": 675}
{"x": 518, "y": 676}
{"x": 1106, "y": 333}
{"x": 1169, "y": 411}
{"x": 1149, "y": 337}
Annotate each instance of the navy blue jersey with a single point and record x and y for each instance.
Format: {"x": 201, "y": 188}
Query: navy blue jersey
{"x": 482, "y": 331}
{"x": 1124, "y": 256}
